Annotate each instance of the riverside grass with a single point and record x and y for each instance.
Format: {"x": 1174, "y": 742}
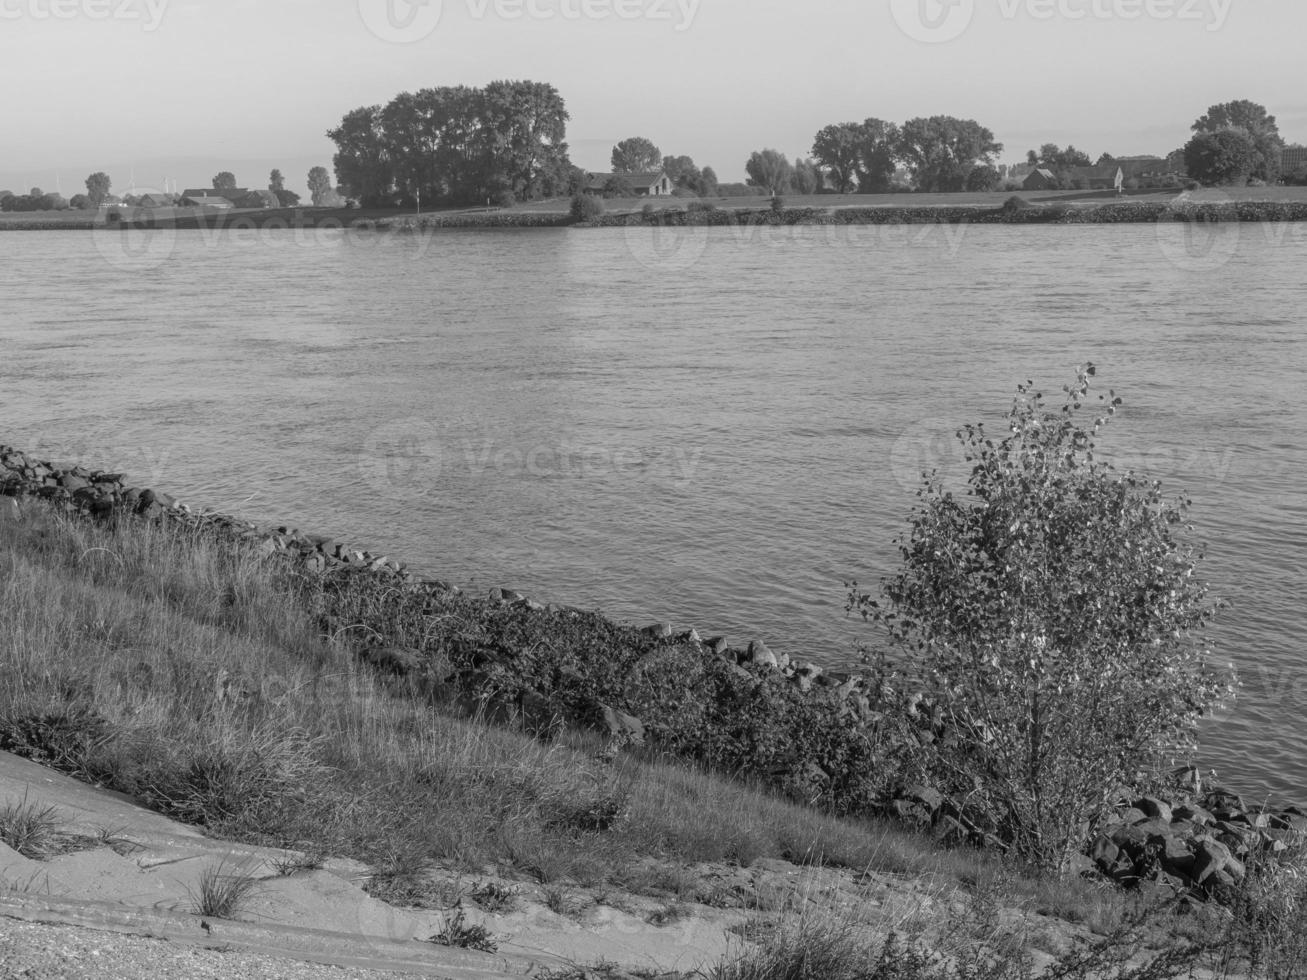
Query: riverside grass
{"x": 191, "y": 674}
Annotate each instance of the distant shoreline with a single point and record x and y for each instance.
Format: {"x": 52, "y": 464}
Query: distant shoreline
{"x": 697, "y": 213}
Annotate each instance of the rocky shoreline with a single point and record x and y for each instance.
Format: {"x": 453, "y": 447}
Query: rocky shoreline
{"x": 703, "y": 213}
{"x": 1198, "y": 842}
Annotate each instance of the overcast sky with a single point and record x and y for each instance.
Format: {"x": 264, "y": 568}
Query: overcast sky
{"x": 184, "y": 88}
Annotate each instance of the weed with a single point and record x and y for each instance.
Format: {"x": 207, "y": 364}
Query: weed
{"x": 494, "y": 896}
{"x": 29, "y": 829}
{"x": 457, "y": 933}
{"x": 222, "y": 891}
{"x": 562, "y": 902}
{"x": 298, "y": 863}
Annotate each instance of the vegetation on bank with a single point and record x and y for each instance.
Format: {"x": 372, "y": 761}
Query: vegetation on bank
{"x": 194, "y": 674}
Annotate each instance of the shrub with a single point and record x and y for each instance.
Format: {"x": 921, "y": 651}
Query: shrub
{"x": 1055, "y": 624}
{"x": 777, "y": 204}
{"x": 586, "y": 207}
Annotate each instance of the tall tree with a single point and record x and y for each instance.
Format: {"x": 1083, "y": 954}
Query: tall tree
{"x": 276, "y": 182}
{"x": 525, "y": 127}
{"x": 877, "y": 154}
{"x": 807, "y": 178}
{"x": 1227, "y": 157}
{"x": 636, "y": 155}
{"x": 838, "y": 148}
{"x": 709, "y": 183}
{"x": 224, "y": 181}
{"x": 362, "y": 160}
{"x": 1254, "y": 121}
{"x": 97, "y": 188}
{"x": 319, "y": 185}
{"x": 942, "y": 151}
{"x": 769, "y": 169}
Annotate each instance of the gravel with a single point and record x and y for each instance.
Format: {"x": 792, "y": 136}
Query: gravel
{"x": 32, "y": 951}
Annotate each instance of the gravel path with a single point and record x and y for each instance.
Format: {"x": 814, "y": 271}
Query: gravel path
{"x": 31, "y": 951}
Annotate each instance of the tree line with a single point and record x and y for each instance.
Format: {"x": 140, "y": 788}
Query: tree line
{"x": 500, "y": 144}
{"x": 99, "y": 187}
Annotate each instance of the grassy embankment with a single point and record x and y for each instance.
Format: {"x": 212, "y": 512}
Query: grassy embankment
{"x": 195, "y": 674}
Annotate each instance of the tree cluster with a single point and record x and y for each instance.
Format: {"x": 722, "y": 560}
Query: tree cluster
{"x": 457, "y": 145}
{"x": 942, "y": 153}
{"x": 1235, "y": 142}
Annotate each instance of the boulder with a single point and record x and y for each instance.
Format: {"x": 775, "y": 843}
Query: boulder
{"x": 716, "y": 646}
{"x": 760, "y": 656}
{"x": 1210, "y": 858}
{"x": 659, "y": 631}
{"x": 1193, "y": 813}
{"x": 9, "y": 511}
{"x": 1153, "y": 807}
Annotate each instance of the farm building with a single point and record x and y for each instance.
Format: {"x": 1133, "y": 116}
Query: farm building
{"x": 649, "y": 184}
{"x": 1042, "y": 179}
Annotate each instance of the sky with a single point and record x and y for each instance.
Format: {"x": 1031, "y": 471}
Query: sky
{"x": 176, "y": 90}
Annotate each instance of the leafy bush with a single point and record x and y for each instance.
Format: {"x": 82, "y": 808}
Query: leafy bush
{"x": 1054, "y": 623}
{"x": 587, "y": 207}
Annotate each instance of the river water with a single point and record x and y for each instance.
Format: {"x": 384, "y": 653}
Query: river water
{"x": 716, "y": 428}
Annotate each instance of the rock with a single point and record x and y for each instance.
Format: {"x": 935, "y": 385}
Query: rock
{"x": 659, "y": 631}
{"x": 1193, "y": 813}
{"x": 1176, "y": 858}
{"x": 1153, "y": 807}
{"x": 1210, "y": 858}
{"x": 716, "y": 646}
{"x": 760, "y": 656}
{"x": 1131, "y": 816}
{"x": 622, "y": 726}
{"x": 1105, "y": 853}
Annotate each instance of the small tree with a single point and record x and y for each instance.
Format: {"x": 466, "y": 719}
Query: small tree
{"x": 1055, "y": 625}
{"x": 587, "y": 207}
{"x": 319, "y": 186}
{"x": 97, "y": 187}
{"x": 224, "y": 181}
